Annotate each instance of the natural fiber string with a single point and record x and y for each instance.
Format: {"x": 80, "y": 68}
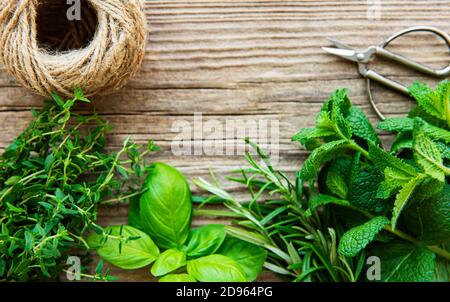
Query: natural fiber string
{"x": 103, "y": 66}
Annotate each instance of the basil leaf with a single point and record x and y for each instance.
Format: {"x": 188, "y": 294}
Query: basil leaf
{"x": 166, "y": 206}
{"x": 205, "y": 240}
{"x": 168, "y": 261}
{"x": 215, "y": 268}
{"x": 134, "y": 213}
{"x": 120, "y": 250}
{"x": 250, "y": 257}
{"x": 177, "y": 278}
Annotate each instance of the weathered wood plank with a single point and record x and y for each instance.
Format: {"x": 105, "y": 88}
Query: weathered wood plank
{"x": 249, "y": 60}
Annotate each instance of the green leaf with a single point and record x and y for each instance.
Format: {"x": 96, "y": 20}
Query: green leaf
{"x": 360, "y": 125}
{"x": 403, "y": 140}
{"x": 321, "y": 155}
{"x": 134, "y": 213}
{"x": 168, "y": 261}
{"x": 357, "y": 238}
{"x": 205, "y": 240}
{"x": 363, "y": 191}
{"x": 428, "y": 156}
{"x": 406, "y": 262}
{"x": 177, "y": 278}
{"x": 12, "y": 180}
{"x": 397, "y": 124}
{"x": 337, "y": 185}
{"x": 250, "y": 257}
{"x": 122, "y": 252}
{"x": 444, "y": 149}
{"x": 307, "y": 134}
{"x": 394, "y": 179}
{"x": 436, "y": 132}
{"x": 405, "y": 124}
{"x": 79, "y": 95}
{"x": 14, "y": 209}
{"x": 435, "y": 103}
{"x": 383, "y": 159}
{"x": 2, "y": 267}
{"x": 318, "y": 200}
{"x": 166, "y": 206}
{"x": 429, "y": 219}
{"x": 57, "y": 99}
{"x": 342, "y": 125}
{"x": 29, "y": 240}
{"x": 402, "y": 198}
{"x": 339, "y": 99}
{"x": 215, "y": 268}
{"x": 442, "y": 271}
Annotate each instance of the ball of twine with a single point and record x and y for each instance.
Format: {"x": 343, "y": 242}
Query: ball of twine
{"x": 104, "y": 65}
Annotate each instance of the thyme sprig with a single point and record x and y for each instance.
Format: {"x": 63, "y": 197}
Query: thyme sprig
{"x": 53, "y": 177}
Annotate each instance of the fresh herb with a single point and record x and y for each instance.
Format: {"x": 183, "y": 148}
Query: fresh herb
{"x": 53, "y": 178}
{"x": 164, "y": 214}
{"x": 301, "y": 245}
{"x": 353, "y": 198}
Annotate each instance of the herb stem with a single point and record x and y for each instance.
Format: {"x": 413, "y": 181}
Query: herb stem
{"x": 120, "y": 198}
{"x": 357, "y": 147}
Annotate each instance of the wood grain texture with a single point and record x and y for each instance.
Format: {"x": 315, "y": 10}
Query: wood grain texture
{"x": 258, "y": 60}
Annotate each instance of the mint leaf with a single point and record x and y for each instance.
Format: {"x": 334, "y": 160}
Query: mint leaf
{"x": 403, "y": 140}
{"x": 428, "y": 218}
{"x": 357, "y": 238}
{"x": 405, "y": 262}
{"x": 336, "y": 184}
{"x": 435, "y": 103}
{"x": 318, "y": 200}
{"x": 342, "y": 126}
{"x": 360, "y": 125}
{"x": 428, "y": 156}
{"x": 363, "y": 191}
{"x": 393, "y": 180}
{"x": 405, "y": 124}
{"x": 382, "y": 160}
{"x": 402, "y": 198}
{"x": 396, "y": 124}
{"x": 321, "y": 155}
{"x": 306, "y": 135}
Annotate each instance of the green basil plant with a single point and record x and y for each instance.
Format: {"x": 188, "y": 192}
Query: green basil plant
{"x": 159, "y": 234}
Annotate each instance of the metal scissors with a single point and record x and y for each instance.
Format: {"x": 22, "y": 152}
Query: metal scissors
{"x": 364, "y": 57}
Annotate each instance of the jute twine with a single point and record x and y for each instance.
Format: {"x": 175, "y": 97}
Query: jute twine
{"x": 102, "y": 66}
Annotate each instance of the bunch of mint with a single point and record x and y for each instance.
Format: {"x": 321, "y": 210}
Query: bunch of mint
{"x": 395, "y": 202}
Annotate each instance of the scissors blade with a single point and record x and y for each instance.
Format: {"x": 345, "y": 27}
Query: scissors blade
{"x": 343, "y": 53}
{"x": 340, "y": 45}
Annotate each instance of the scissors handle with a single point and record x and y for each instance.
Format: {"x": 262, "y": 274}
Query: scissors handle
{"x": 383, "y": 52}
{"x": 373, "y": 75}
{"x": 413, "y": 64}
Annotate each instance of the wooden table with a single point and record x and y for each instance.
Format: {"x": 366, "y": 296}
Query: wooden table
{"x": 248, "y": 60}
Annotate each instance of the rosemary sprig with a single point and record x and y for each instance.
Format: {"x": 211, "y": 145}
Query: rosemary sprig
{"x": 301, "y": 247}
